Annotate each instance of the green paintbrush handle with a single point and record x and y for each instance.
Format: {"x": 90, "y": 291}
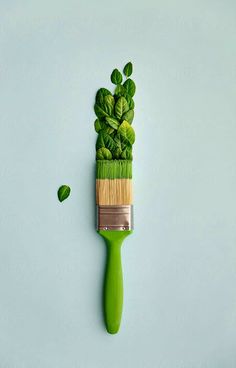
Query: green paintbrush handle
{"x": 113, "y": 288}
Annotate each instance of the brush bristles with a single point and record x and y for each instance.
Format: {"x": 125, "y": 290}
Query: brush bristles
{"x": 114, "y": 191}
{"x": 114, "y": 169}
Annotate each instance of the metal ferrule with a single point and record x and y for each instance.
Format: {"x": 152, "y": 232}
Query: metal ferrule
{"x": 115, "y": 217}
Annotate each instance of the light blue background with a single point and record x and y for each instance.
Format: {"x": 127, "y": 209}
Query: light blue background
{"x": 180, "y": 263}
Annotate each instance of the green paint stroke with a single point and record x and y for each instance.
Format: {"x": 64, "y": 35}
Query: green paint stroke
{"x": 114, "y": 169}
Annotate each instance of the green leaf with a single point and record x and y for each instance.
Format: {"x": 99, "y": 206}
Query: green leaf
{"x": 130, "y": 101}
{"x": 117, "y": 140}
{"x": 116, "y": 77}
{"x": 128, "y": 116}
{"x": 101, "y": 125}
{"x": 63, "y": 192}
{"x": 117, "y": 153}
{"x": 113, "y": 134}
{"x": 127, "y": 154}
{"x": 103, "y": 154}
{"x": 108, "y": 104}
{"x": 99, "y": 111}
{"x": 101, "y": 93}
{"x": 130, "y": 87}
{"x": 131, "y": 105}
{"x": 107, "y": 129}
{"x": 121, "y": 107}
{"x": 121, "y": 142}
{"x": 126, "y": 131}
{"x": 109, "y": 142}
{"x": 98, "y": 125}
{"x": 124, "y": 148}
{"x": 120, "y": 90}
{"x": 114, "y": 123}
{"x": 105, "y": 140}
{"x": 128, "y": 69}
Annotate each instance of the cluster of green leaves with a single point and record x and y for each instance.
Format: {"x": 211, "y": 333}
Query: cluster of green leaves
{"x": 115, "y": 113}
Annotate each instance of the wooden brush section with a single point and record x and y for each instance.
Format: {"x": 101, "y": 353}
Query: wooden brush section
{"x": 114, "y": 191}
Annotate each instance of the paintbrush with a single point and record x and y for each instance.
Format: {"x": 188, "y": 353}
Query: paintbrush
{"x": 114, "y": 198}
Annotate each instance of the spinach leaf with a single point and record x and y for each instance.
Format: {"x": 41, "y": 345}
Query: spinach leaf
{"x": 105, "y": 140}
{"x": 130, "y": 87}
{"x": 108, "y": 104}
{"x": 128, "y": 69}
{"x": 116, "y": 77}
{"x": 126, "y": 131}
{"x": 117, "y": 153}
{"x": 107, "y": 129}
{"x": 63, "y": 192}
{"x": 103, "y": 154}
{"x": 120, "y": 90}
{"x": 99, "y": 111}
{"x": 101, "y": 125}
{"x": 114, "y": 123}
{"x": 129, "y": 100}
{"x": 127, "y": 153}
{"x": 98, "y": 125}
{"x": 122, "y": 142}
{"x": 121, "y": 107}
{"x": 101, "y": 93}
{"x": 128, "y": 116}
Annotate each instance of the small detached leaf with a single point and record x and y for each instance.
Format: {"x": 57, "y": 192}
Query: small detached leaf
{"x": 130, "y": 87}
{"x": 116, "y": 77}
{"x": 103, "y": 154}
{"x": 63, "y": 192}
{"x": 128, "y": 69}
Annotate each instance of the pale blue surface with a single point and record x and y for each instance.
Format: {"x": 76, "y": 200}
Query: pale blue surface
{"x": 180, "y": 263}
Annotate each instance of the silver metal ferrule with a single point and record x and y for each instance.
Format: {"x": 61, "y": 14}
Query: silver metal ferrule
{"x": 119, "y": 217}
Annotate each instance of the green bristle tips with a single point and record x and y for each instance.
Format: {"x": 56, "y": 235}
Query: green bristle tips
{"x": 113, "y": 169}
